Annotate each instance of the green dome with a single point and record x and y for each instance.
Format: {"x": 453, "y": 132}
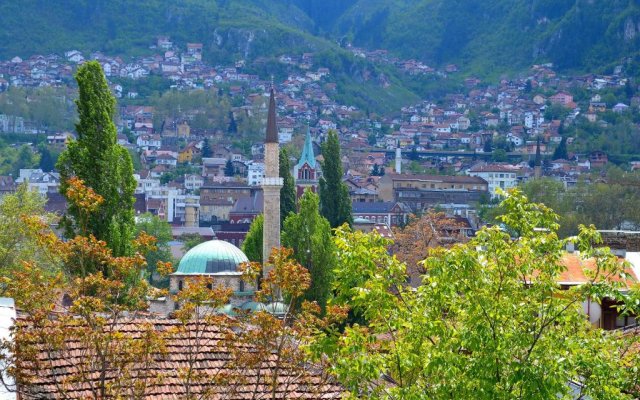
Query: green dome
{"x": 211, "y": 257}
{"x": 276, "y": 308}
{"x": 227, "y": 310}
{"x": 253, "y": 306}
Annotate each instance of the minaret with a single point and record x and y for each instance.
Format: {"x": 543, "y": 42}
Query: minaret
{"x": 271, "y": 185}
{"x": 398, "y": 158}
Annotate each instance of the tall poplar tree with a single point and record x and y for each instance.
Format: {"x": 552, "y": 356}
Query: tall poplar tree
{"x": 288, "y": 190}
{"x": 309, "y": 235}
{"x": 335, "y": 203}
{"x": 102, "y": 164}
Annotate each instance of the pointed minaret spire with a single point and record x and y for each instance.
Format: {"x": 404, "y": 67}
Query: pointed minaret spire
{"x": 272, "y": 130}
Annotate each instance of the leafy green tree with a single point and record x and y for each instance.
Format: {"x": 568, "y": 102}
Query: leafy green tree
{"x": 24, "y": 159}
{"x": 102, "y": 164}
{"x": 309, "y": 235}
{"x": 161, "y": 230}
{"x": 335, "y": 202}
{"x": 499, "y": 155}
{"x": 489, "y": 322}
{"x": 228, "y": 168}
{"x": 190, "y": 240}
{"x": 252, "y": 245}
{"x": 16, "y": 237}
{"x": 288, "y": 190}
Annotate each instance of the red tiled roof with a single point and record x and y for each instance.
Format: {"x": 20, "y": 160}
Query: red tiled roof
{"x": 211, "y": 348}
{"x": 575, "y": 271}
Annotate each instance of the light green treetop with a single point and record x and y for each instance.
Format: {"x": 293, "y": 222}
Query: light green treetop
{"x": 489, "y": 321}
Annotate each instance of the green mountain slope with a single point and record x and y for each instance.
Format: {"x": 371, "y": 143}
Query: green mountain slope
{"x": 499, "y": 35}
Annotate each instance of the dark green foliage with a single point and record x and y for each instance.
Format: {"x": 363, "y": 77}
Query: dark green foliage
{"x": 288, "y": 190}
{"x": 561, "y": 151}
{"x": 206, "y": 148}
{"x": 228, "y": 168}
{"x": 488, "y": 146}
{"x": 101, "y": 163}
{"x": 377, "y": 170}
{"x": 335, "y": 202}
{"x": 47, "y": 162}
{"x": 233, "y": 127}
{"x": 252, "y": 245}
{"x": 309, "y": 235}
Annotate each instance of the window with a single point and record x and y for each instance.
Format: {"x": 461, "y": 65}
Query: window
{"x": 180, "y": 285}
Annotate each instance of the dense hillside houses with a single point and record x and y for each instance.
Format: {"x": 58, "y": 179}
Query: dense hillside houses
{"x": 451, "y": 153}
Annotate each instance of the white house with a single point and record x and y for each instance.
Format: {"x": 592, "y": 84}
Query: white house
{"x": 255, "y": 173}
{"x": 497, "y": 175}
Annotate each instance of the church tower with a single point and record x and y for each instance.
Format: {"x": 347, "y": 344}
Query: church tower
{"x": 306, "y": 172}
{"x": 271, "y": 185}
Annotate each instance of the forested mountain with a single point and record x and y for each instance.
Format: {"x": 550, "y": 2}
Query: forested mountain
{"x": 482, "y": 37}
{"x": 498, "y": 35}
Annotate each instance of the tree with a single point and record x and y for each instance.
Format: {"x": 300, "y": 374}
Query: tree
{"x": 17, "y": 243}
{"x": 206, "y": 148}
{"x": 335, "y": 202}
{"x": 47, "y": 163}
{"x": 413, "y": 242}
{"x": 160, "y": 229}
{"x": 488, "y": 146}
{"x": 190, "y": 240}
{"x": 372, "y": 139}
{"x": 561, "y": 151}
{"x": 233, "y": 127}
{"x": 288, "y": 190}
{"x": 309, "y": 235}
{"x": 375, "y": 171}
{"x": 228, "y": 168}
{"x": 101, "y": 295}
{"x": 252, "y": 245}
{"x": 102, "y": 164}
{"x": 528, "y": 86}
{"x": 499, "y": 155}
{"x": 489, "y": 322}
{"x": 24, "y": 159}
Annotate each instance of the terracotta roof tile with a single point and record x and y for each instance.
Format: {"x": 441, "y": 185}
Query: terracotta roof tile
{"x": 53, "y": 375}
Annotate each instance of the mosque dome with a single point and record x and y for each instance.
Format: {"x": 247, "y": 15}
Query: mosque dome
{"x": 214, "y": 256}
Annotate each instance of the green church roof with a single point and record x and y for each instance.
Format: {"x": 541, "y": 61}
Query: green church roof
{"x": 307, "y": 152}
{"x": 211, "y": 257}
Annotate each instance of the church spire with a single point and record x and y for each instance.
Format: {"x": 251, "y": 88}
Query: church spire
{"x": 308, "y": 155}
{"x": 272, "y": 130}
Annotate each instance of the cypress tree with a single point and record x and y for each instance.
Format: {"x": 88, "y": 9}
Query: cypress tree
{"x": 561, "y": 151}
{"x": 335, "y": 203}
{"x": 309, "y": 235}
{"x": 288, "y": 190}
{"x": 206, "y": 148}
{"x": 102, "y": 164}
{"x": 228, "y": 168}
